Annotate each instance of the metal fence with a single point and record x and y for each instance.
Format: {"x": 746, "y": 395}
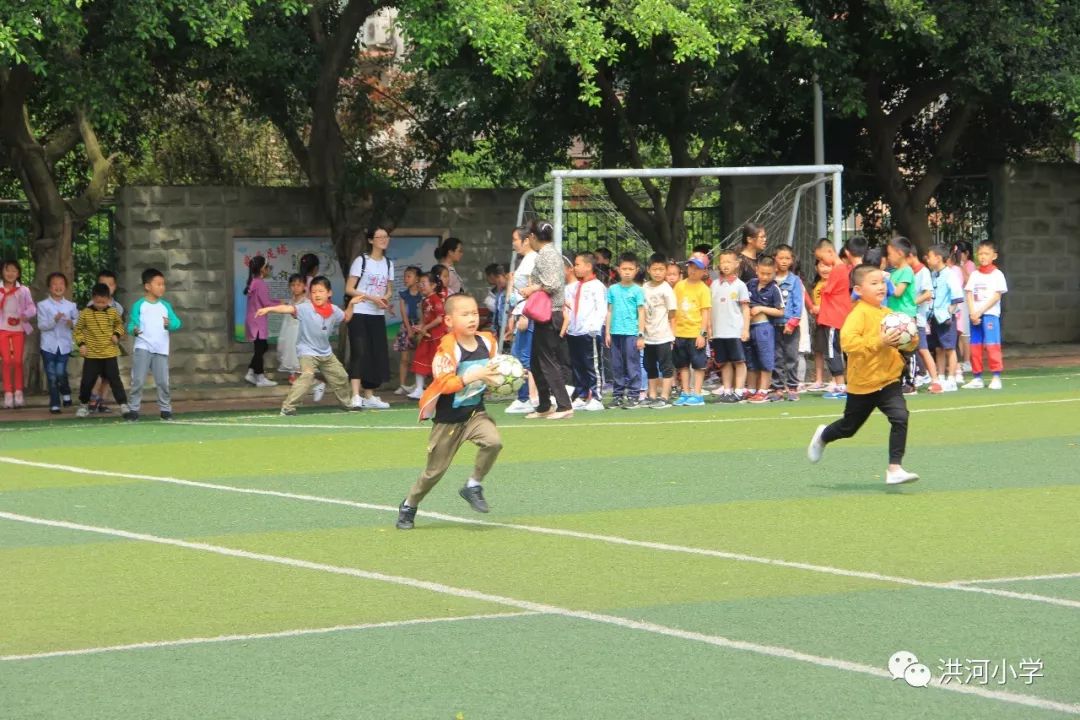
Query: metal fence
{"x": 93, "y": 247}
{"x": 586, "y": 227}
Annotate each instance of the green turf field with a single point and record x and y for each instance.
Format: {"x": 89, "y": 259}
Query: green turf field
{"x": 685, "y": 563}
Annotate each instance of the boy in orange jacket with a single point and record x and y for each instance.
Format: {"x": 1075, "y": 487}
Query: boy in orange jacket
{"x": 874, "y": 365}
{"x": 455, "y": 401}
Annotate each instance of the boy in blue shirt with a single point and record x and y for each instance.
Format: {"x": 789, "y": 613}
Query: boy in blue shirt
{"x": 786, "y": 328}
{"x": 766, "y": 304}
{"x": 626, "y": 333}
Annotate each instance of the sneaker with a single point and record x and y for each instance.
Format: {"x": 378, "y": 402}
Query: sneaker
{"x": 758, "y": 398}
{"x": 660, "y": 404}
{"x": 816, "y": 448}
{"x": 593, "y": 405}
{"x": 681, "y": 400}
{"x": 127, "y": 413}
{"x": 816, "y": 388}
{"x": 55, "y": 409}
{"x": 899, "y": 477}
{"x": 263, "y": 381}
{"x": 403, "y": 390}
{"x": 375, "y": 403}
{"x": 20, "y": 401}
{"x": 103, "y": 408}
{"x": 83, "y": 411}
{"x": 250, "y": 377}
{"x": 9, "y": 401}
{"x": 921, "y": 380}
{"x": 995, "y": 384}
{"x": 287, "y": 413}
{"x": 965, "y": 367}
{"x": 729, "y": 398}
{"x": 835, "y": 395}
{"x": 694, "y": 401}
{"x": 67, "y": 400}
{"x": 631, "y": 403}
{"x": 518, "y": 407}
{"x": 319, "y": 391}
{"x": 775, "y": 396}
{"x": 720, "y": 391}
{"x": 405, "y": 517}
{"x": 909, "y": 389}
{"x": 357, "y": 403}
{"x": 936, "y": 388}
{"x": 949, "y": 386}
{"x": 475, "y": 497}
{"x": 416, "y": 394}
{"x": 166, "y": 416}
{"x": 616, "y": 402}
{"x": 959, "y": 378}
{"x": 792, "y": 396}
{"x": 975, "y": 384}
{"x": 578, "y": 404}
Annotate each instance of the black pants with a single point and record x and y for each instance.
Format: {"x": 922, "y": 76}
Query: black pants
{"x": 93, "y": 368}
{"x": 890, "y": 401}
{"x": 256, "y": 364}
{"x": 584, "y": 361}
{"x": 786, "y": 371}
{"x": 369, "y": 356}
{"x": 547, "y": 364}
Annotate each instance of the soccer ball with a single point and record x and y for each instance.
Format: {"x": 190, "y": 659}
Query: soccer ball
{"x": 511, "y": 376}
{"x": 909, "y": 331}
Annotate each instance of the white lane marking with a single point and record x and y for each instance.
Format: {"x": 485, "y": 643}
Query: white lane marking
{"x": 1019, "y": 578}
{"x": 301, "y": 632}
{"x": 546, "y": 609}
{"x": 572, "y": 425}
{"x": 542, "y": 530}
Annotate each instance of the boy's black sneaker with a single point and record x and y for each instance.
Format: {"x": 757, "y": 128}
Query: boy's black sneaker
{"x": 475, "y": 497}
{"x": 405, "y": 517}
{"x": 616, "y": 402}
{"x": 729, "y": 398}
{"x": 631, "y": 403}
{"x": 131, "y": 416}
{"x": 166, "y": 415}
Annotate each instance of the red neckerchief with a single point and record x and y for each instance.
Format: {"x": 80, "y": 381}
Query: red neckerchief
{"x": 730, "y": 278}
{"x": 917, "y": 266}
{"x": 324, "y": 311}
{"x": 577, "y": 295}
{"x": 988, "y": 269}
{"x": 8, "y": 293}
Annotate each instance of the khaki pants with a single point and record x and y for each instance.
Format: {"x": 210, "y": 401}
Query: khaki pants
{"x": 443, "y": 444}
{"x": 331, "y": 369}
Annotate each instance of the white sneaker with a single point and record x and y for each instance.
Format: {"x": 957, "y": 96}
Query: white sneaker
{"x": 357, "y": 402}
{"x": 949, "y": 386}
{"x": 250, "y": 377}
{"x": 519, "y": 407}
{"x": 721, "y": 391}
{"x": 816, "y": 448}
{"x": 319, "y": 391}
{"x": 578, "y": 404}
{"x": 593, "y": 405}
{"x": 995, "y": 384}
{"x": 921, "y": 380}
{"x": 975, "y": 384}
{"x": 416, "y": 394}
{"x": 965, "y": 367}
{"x": 83, "y": 411}
{"x": 263, "y": 381}
{"x": 899, "y": 477}
{"x": 9, "y": 401}
{"x": 375, "y": 403}
{"x": 19, "y": 401}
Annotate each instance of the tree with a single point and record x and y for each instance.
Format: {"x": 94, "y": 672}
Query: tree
{"x": 73, "y": 73}
{"x": 678, "y": 80}
{"x": 928, "y": 78}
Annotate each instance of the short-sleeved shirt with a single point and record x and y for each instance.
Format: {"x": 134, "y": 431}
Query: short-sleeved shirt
{"x": 375, "y": 277}
{"x": 624, "y": 302}
{"x": 457, "y": 408}
{"x": 947, "y": 292}
{"x": 729, "y": 295}
{"x": 905, "y": 302}
{"x": 412, "y": 305}
{"x": 313, "y": 335}
{"x": 923, "y": 282}
{"x": 768, "y": 296}
{"x": 659, "y": 303}
{"x": 691, "y": 298}
{"x": 982, "y": 285}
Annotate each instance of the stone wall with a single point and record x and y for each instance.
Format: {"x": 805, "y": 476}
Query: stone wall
{"x": 1037, "y": 225}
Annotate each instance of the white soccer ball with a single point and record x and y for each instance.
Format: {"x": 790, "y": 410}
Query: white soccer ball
{"x": 909, "y": 331}
{"x": 510, "y": 377}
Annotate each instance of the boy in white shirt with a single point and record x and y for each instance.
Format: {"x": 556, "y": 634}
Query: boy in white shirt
{"x": 151, "y": 320}
{"x": 56, "y": 317}
{"x": 660, "y": 308}
{"x": 583, "y": 320}
{"x": 984, "y": 290}
{"x": 730, "y": 327}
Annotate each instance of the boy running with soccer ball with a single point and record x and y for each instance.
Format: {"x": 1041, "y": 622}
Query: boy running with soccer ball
{"x": 461, "y": 370}
{"x": 873, "y": 375}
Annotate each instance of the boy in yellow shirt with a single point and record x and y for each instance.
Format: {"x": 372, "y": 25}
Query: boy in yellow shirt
{"x": 873, "y": 375}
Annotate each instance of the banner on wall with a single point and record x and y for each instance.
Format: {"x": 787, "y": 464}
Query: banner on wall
{"x": 283, "y": 256}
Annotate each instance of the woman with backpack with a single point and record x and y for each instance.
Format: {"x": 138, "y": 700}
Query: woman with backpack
{"x": 371, "y": 278}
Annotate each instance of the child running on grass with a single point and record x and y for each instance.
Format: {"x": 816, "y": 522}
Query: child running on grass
{"x": 874, "y": 365}
{"x": 318, "y": 320}
{"x": 455, "y": 400}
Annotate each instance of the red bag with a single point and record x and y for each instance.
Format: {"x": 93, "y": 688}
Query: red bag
{"x": 538, "y": 307}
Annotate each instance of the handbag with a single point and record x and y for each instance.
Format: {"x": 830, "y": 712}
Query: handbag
{"x": 538, "y": 307}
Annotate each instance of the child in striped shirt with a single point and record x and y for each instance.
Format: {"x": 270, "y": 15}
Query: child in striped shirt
{"x": 97, "y": 334}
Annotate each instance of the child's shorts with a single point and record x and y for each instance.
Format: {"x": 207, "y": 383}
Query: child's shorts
{"x": 659, "y": 362}
{"x": 923, "y": 345}
{"x": 687, "y": 354}
{"x": 942, "y": 335}
{"x": 728, "y": 350}
{"x": 404, "y": 342}
{"x": 761, "y": 349}
{"x": 820, "y": 342}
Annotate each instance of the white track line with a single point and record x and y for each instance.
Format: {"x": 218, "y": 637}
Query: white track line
{"x": 559, "y": 532}
{"x": 1020, "y": 578}
{"x": 541, "y": 424}
{"x": 154, "y": 645}
{"x": 544, "y": 608}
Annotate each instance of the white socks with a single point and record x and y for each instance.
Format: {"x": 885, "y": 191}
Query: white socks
{"x": 419, "y": 383}
{"x": 472, "y": 483}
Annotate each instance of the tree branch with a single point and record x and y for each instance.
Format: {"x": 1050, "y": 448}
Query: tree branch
{"x": 943, "y": 154}
{"x": 101, "y": 168}
{"x": 622, "y": 125}
{"x": 917, "y": 98}
{"x": 62, "y": 142}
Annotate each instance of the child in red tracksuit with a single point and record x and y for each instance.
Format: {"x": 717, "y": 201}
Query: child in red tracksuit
{"x": 16, "y": 309}
{"x": 430, "y": 330}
